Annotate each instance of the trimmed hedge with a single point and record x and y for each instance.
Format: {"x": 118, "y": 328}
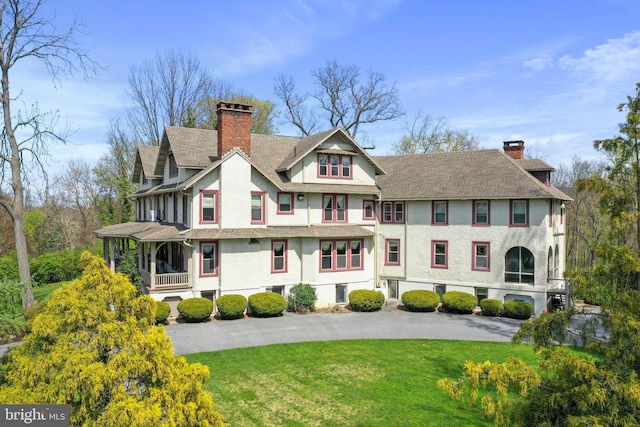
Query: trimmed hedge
{"x": 267, "y": 304}
{"x": 365, "y": 300}
{"x": 231, "y": 306}
{"x": 491, "y": 307}
{"x": 420, "y": 300}
{"x": 517, "y": 310}
{"x": 163, "y": 310}
{"x": 194, "y": 310}
{"x": 459, "y": 302}
{"x": 302, "y": 298}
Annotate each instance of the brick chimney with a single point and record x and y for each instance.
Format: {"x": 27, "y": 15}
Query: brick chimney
{"x": 515, "y": 149}
{"x": 234, "y": 127}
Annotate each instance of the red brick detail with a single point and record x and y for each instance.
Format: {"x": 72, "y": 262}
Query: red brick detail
{"x": 234, "y": 127}
{"x": 514, "y": 149}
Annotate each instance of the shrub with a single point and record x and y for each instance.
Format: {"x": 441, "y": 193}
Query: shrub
{"x": 267, "y": 304}
{"x": 163, "y": 310}
{"x": 129, "y": 267}
{"x": 194, "y": 310}
{"x": 517, "y": 309}
{"x": 491, "y": 307}
{"x": 56, "y": 267}
{"x": 10, "y": 327}
{"x": 420, "y": 300}
{"x": 365, "y": 300}
{"x": 31, "y": 312}
{"x": 231, "y": 306}
{"x": 302, "y": 298}
{"x": 9, "y": 267}
{"x": 459, "y": 302}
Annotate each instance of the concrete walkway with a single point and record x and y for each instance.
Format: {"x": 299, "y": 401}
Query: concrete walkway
{"x": 395, "y": 324}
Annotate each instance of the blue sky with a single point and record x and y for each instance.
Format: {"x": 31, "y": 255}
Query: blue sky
{"x": 549, "y": 72}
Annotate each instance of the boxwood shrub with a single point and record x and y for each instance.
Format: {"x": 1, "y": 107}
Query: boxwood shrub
{"x": 491, "y": 307}
{"x": 517, "y": 309}
{"x": 163, "y": 310}
{"x": 267, "y": 304}
{"x": 420, "y": 300}
{"x": 231, "y": 306}
{"x": 365, "y": 300}
{"x": 194, "y": 310}
{"x": 302, "y": 298}
{"x": 459, "y": 302}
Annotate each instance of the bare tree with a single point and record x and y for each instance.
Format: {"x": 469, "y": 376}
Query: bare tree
{"x": 163, "y": 90}
{"x": 344, "y": 99}
{"x": 428, "y": 134}
{"x": 27, "y": 34}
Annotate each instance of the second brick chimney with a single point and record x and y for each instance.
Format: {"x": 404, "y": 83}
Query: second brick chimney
{"x": 515, "y": 149}
{"x": 234, "y": 127}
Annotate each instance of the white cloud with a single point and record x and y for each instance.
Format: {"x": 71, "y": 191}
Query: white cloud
{"x": 540, "y": 63}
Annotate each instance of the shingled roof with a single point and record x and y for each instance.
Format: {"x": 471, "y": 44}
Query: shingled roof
{"x": 482, "y": 174}
{"x": 145, "y": 162}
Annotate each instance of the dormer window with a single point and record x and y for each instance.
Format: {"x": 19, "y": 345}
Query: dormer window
{"x": 173, "y": 166}
{"x": 335, "y": 166}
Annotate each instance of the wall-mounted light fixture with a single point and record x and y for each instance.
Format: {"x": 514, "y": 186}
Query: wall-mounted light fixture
{"x": 254, "y": 241}
{"x": 300, "y": 196}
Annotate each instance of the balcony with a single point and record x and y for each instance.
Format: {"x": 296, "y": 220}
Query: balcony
{"x": 165, "y": 281}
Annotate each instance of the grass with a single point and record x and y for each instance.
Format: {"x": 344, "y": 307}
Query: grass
{"x": 348, "y": 383}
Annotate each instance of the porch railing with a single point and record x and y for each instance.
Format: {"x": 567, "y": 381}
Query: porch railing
{"x": 166, "y": 281}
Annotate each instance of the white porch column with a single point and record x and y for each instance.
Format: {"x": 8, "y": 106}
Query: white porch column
{"x": 152, "y": 285}
{"x": 112, "y": 251}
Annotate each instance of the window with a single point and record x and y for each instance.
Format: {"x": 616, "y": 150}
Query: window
{"x": 185, "y": 215}
{"x": 439, "y": 254}
{"x": 340, "y": 255}
{"x": 276, "y": 290}
{"x": 481, "y": 256}
{"x": 519, "y": 213}
{"x": 368, "y": 209}
{"x": 175, "y": 208}
{"x": 481, "y": 212}
{"x": 482, "y": 293}
{"x": 285, "y": 203}
{"x": 440, "y": 290}
{"x": 335, "y": 166}
{"x": 392, "y": 252}
{"x": 209, "y": 204}
{"x": 279, "y": 256}
{"x": 341, "y": 294}
{"x": 392, "y": 285}
{"x": 440, "y": 213}
{"x": 145, "y": 181}
{"x": 334, "y": 208}
{"x": 173, "y": 167}
{"x": 257, "y": 207}
{"x": 550, "y": 265}
{"x": 177, "y": 257}
{"x": 208, "y": 259}
{"x": 519, "y": 265}
{"x": 393, "y": 212}
{"x": 556, "y": 263}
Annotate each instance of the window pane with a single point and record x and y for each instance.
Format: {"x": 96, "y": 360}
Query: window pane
{"x": 482, "y": 210}
{"x": 327, "y": 253}
{"x": 256, "y": 207}
{"x": 341, "y": 255}
{"x": 519, "y": 212}
{"x": 285, "y": 202}
{"x": 208, "y": 207}
{"x": 387, "y": 212}
{"x": 368, "y": 209}
{"x": 341, "y": 294}
{"x": 441, "y": 212}
{"x": 399, "y": 212}
{"x": 356, "y": 257}
{"x": 208, "y": 259}
{"x": 341, "y": 204}
{"x": 328, "y": 208}
{"x": 346, "y": 166}
{"x": 323, "y": 159}
{"x": 335, "y": 165}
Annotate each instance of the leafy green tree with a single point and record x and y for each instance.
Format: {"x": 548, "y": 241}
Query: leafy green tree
{"x": 262, "y": 119}
{"x": 94, "y": 347}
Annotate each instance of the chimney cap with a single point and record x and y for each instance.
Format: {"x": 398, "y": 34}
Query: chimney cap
{"x": 519, "y": 143}
{"x": 236, "y": 106}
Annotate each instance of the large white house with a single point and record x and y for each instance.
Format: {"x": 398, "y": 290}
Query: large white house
{"x": 226, "y": 211}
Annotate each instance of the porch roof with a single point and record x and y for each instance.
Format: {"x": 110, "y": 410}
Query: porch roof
{"x": 313, "y": 231}
{"x": 144, "y": 231}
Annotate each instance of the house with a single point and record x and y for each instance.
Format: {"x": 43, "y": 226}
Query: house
{"x": 227, "y": 211}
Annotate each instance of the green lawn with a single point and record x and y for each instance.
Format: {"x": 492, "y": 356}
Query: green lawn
{"x": 348, "y": 383}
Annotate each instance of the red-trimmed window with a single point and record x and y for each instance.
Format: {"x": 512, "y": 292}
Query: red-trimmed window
{"x": 334, "y": 208}
{"x": 481, "y": 256}
{"x": 439, "y": 254}
{"x": 285, "y": 203}
{"x": 279, "y": 259}
{"x": 335, "y": 166}
{"x": 519, "y": 213}
{"x": 337, "y": 255}
{"x": 393, "y": 212}
{"x": 392, "y": 252}
{"x": 208, "y": 259}
{"x": 368, "y": 209}
{"x": 257, "y": 207}
{"x": 209, "y": 207}
{"x": 440, "y": 213}
{"x": 481, "y": 212}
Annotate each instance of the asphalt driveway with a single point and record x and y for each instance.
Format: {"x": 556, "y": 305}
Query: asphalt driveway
{"x": 396, "y": 324}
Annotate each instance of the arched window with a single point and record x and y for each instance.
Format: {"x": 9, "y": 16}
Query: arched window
{"x": 556, "y": 263}
{"x": 519, "y": 265}
{"x": 550, "y": 265}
